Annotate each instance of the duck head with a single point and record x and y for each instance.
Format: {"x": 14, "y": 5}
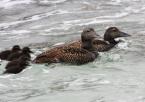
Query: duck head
{"x": 112, "y": 33}
{"x": 87, "y": 36}
{"x": 26, "y": 50}
{"x": 16, "y": 48}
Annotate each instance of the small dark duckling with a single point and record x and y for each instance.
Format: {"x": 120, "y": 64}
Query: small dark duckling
{"x": 5, "y": 54}
{"x": 74, "y": 55}
{"x": 25, "y": 52}
{"x": 16, "y": 66}
{"x": 108, "y": 42}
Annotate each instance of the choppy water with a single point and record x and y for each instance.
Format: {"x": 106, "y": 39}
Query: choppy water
{"x": 116, "y": 76}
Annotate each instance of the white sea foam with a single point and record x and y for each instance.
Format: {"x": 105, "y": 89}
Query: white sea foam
{"x": 9, "y": 3}
{"x": 51, "y": 1}
{"x": 117, "y": 15}
{"x": 46, "y": 71}
{"x": 59, "y": 44}
{"x": 119, "y": 1}
{"x": 17, "y": 37}
{"x": 6, "y": 76}
{"x": 14, "y": 32}
{"x": 19, "y": 31}
{"x": 32, "y": 18}
{"x": 123, "y": 45}
{"x": 86, "y": 21}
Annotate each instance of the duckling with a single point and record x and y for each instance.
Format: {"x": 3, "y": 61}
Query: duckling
{"x": 5, "y": 54}
{"x": 25, "y": 52}
{"x": 73, "y": 55}
{"x": 16, "y": 66}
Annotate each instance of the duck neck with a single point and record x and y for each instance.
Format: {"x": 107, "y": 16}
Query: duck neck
{"x": 15, "y": 50}
{"x": 87, "y": 45}
{"x": 25, "y": 52}
{"x": 110, "y": 39}
{"x": 113, "y": 42}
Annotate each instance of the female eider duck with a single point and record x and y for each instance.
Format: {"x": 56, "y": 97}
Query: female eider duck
{"x": 107, "y": 43}
{"x": 5, "y": 54}
{"x": 73, "y": 55}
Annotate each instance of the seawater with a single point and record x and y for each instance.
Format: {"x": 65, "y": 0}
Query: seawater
{"x": 115, "y": 76}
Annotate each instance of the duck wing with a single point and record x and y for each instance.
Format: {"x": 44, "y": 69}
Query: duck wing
{"x": 14, "y": 56}
{"x": 49, "y": 56}
{"x": 12, "y": 63}
{"x": 65, "y": 54}
{"x": 76, "y": 56}
{"x": 102, "y": 46}
{"x": 75, "y": 44}
{"x": 4, "y": 54}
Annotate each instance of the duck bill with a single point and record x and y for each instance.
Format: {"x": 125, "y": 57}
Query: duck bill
{"x": 122, "y": 34}
{"x": 30, "y": 52}
{"x": 94, "y": 36}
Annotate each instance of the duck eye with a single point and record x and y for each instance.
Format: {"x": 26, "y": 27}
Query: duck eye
{"x": 87, "y": 30}
{"x": 91, "y": 29}
{"x": 114, "y": 30}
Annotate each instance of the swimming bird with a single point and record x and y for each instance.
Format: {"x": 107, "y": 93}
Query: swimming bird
{"x": 5, "y": 54}
{"x": 25, "y": 52}
{"x": 16, "y": 66}
{"x": 107, "y": 42}
{"x": 74, "y": 55}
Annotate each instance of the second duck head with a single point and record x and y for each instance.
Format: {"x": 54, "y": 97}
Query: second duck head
{"x": 112, "y": 33}
{"x": 26, "y": 50}
{"x": 16, "y": 48}
{"x": 87, "y": 36}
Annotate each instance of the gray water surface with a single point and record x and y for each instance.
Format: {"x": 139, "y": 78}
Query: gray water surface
{"x": 116, "y": 76}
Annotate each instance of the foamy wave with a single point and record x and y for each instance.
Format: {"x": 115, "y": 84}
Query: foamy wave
{"x": 14, "y": 32}
{"x": 31, "y": 18}
{"x": 134, "y": 9}
{"x": 88, "y": 82}
{"x": 58, "y": 44}
{"x": 86, "y": 21}
{"x": 66, "y": 25}
{"x": 10, "y": 3}
{"x": 109, "y": 57}
{"x": 120, "y": 1}
{"x": 117, "y": 15}
{"x": 123, "y": 44}
{"x": 51, "y": 1}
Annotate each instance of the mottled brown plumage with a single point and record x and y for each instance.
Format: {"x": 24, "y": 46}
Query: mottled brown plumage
{"x": 75, "y": 54}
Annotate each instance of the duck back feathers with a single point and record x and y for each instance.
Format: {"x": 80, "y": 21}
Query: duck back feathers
{"x": 74, "y": 54}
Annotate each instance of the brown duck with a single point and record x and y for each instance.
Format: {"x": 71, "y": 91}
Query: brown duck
{"x": 107, "y": 43}
{"x": 71, "y": 54}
